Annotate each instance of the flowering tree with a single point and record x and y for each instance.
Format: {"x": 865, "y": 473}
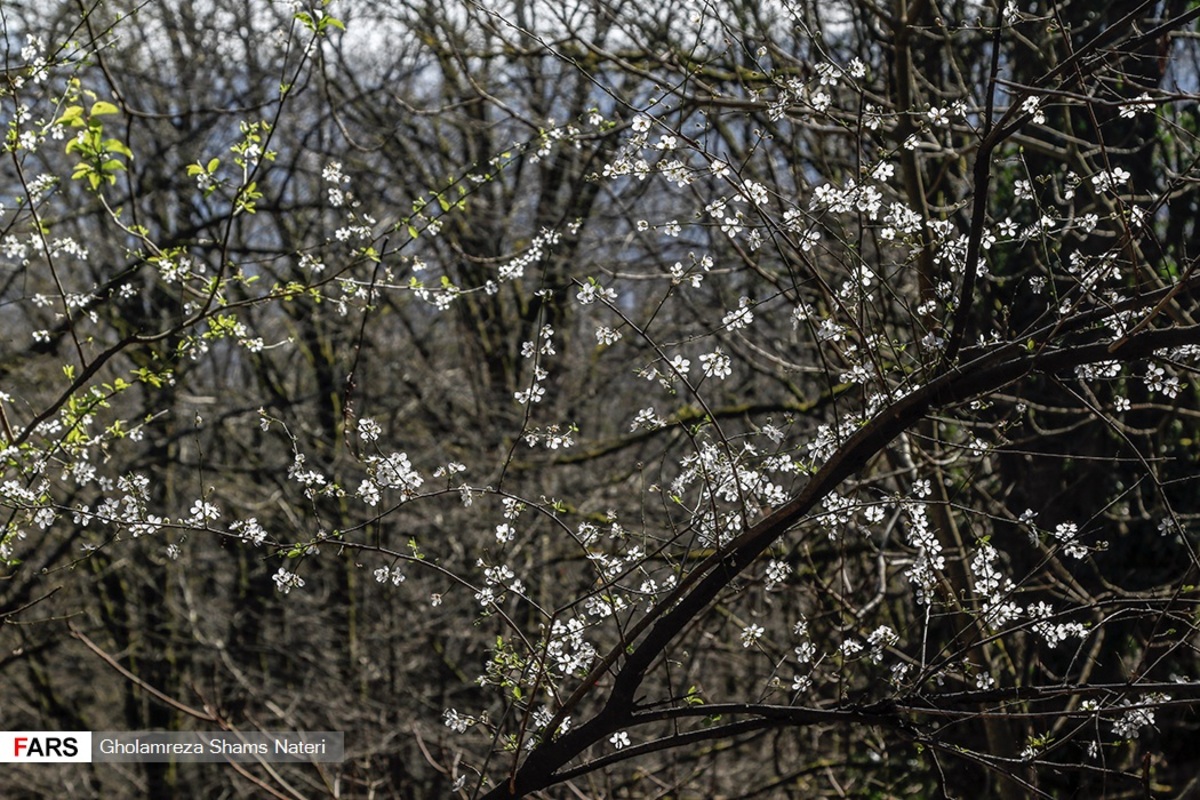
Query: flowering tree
{"x": 730, "y": 398}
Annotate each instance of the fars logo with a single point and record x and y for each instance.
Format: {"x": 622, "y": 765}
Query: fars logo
{"x": 45, "y": 746}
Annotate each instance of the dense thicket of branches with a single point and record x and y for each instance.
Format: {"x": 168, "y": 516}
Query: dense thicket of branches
{"x": 726, "y": 399}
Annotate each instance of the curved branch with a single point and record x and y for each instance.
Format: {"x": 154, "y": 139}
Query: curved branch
{"x": 988, "y": 372}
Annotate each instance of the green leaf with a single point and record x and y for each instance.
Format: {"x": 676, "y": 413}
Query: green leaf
{"x": 73, "y": 116}
{"x": 117, "y": 146}
{"x": 102, "y": 107}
